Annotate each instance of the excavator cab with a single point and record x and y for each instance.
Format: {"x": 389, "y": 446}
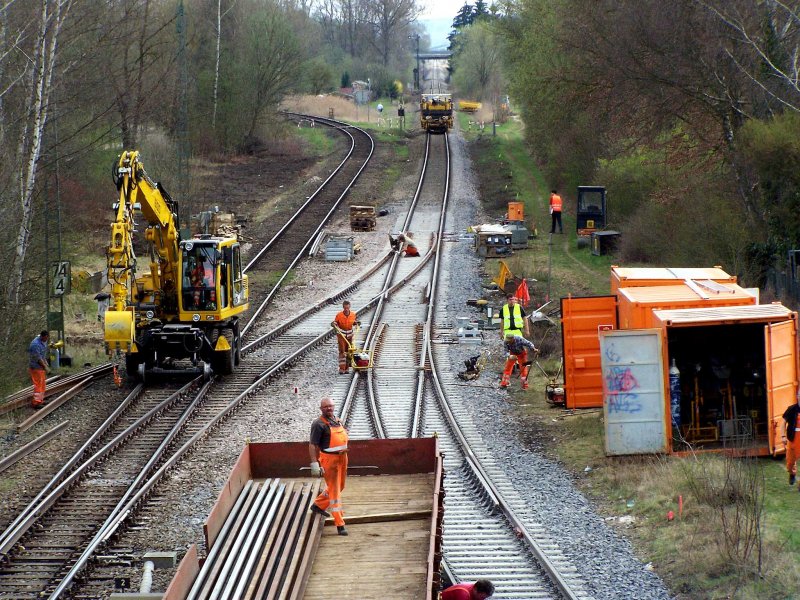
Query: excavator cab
{"x": 212, "y": 282}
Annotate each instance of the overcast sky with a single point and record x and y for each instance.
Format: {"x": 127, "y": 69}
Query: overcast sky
{"x": 437, "y": 17}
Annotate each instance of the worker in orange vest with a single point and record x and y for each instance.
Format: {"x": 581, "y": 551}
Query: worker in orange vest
{"x": 555, "y": 212}
{"x": 343, "y": 324}
{"x": 480, "y": 590}
{"x": 327, "y": 449}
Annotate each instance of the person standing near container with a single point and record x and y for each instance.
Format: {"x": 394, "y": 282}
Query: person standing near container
{"x": 556, "y": 205}
{"x": 343, "y": 324}
{"x": 38, "y": 367}
{"x": 327, "y": 449}
{"x": 791, "y": 439}
{"x": 480, "y": 590}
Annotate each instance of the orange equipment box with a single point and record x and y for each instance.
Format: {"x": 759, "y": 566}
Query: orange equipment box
{"x": 636, "y": 304}
{"x": 516, "y": 211}
{"x": 622, "y": 277}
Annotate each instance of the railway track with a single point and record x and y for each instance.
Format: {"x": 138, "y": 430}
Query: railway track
{"x": 408, "y": 398}
{"x": 488, "y": 533}
{"x": 54, "y": 538}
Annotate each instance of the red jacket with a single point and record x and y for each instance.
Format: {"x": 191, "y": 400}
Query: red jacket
{"x": 462, "y": 591}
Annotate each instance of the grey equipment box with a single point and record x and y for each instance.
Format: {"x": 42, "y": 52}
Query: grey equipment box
{"x": 604, "y": 242}
{"x": 339, "y": 249}
{"x": 519, "y": 234}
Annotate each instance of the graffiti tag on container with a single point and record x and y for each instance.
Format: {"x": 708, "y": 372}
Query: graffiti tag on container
{"x": 621, "y": 386}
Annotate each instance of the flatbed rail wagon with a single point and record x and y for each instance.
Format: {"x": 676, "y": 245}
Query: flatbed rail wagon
{"x": 263, "y": 541}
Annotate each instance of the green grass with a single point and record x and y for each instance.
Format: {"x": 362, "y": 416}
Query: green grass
{"x": 317, "y": 141}
{"x": 689, "y": 551}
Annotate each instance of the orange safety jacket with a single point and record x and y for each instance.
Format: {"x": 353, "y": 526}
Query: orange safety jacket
{"x": 339, "y": 438}
{"x": 555, "y": 202}
{"x": 345, "y": 322}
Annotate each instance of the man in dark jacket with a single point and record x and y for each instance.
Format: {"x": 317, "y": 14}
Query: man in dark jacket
{"x": 791, "y": 438}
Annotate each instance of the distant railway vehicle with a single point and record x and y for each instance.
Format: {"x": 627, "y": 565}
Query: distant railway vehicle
{"x": 436, "y": 112}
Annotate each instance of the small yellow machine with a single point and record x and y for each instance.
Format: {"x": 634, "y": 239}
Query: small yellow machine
{"x": 357, "y": 358}
{"x": 182, "y": 315}
{"x": 436, "y": 112}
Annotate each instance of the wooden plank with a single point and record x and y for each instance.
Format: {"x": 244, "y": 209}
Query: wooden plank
{"x": 50, "y": 407}
{"x": 409, "y": 515}
{"x": 40, "y": 441}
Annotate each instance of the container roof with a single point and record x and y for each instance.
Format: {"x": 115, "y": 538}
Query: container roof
{"x": 754, "y": 313}
{"x": 678, "y": 273}
{"x": 686, "y": 292}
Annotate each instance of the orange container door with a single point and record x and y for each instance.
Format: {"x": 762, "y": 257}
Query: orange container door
{"x": 581, "y": 321}
{"x": 781, "y": 358}
{"x": 515, "y": 211}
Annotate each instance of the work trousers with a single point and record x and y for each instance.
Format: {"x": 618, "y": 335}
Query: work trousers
{"x": 335, "y": 466}
{"x": 519, "y": 359}
{"x": 793, "y": 453}
{"x": 411, "y": 251}
{"x": 556, "y": 218}
{"x": 344, "y": 342}
{"x": 38, "y": 377}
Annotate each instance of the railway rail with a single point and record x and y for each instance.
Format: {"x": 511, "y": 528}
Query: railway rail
{"x": 399, "y": 298}
{"x": 487, "y": 531}
{"x": 89, "y": 499}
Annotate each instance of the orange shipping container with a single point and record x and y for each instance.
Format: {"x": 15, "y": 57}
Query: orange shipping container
{"x": 623, "y": 277}
{"x": 736, "y": 369}
{"x": 636, "y": 304}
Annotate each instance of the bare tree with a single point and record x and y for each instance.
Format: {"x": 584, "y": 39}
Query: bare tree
{"x": 51, "y": 17}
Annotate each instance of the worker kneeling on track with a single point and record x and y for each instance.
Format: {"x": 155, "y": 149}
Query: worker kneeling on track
{"x": 517, "y": 348}
{"x": 404, "y": 242}
{"x": 327, "y": 450}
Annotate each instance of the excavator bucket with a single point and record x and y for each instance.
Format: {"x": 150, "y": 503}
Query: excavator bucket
{"x": 119, "y": 330}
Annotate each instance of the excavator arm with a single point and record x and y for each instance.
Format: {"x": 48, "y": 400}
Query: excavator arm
{"x": 138, "y": 192}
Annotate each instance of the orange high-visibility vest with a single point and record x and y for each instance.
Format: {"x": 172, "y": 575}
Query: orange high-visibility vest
{"x": 345, "y": 322}
{"x": 555, "y": 202}
{"x": 339, "y": 438}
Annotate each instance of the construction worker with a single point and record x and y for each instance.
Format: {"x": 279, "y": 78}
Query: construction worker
{"x": 514, "y": 318}
{"x": 403, "y": 242}
{"x": 480, "y": 590}
{"x": 202, "y": 279}
{"x": 517, "y": 348}
{"x": 791, "y": 439}
{"x": 327, "y": 450}
{"x": 343, "y": 324}
{"x": 38, "y": 367}
{"x": 555, "y": 212}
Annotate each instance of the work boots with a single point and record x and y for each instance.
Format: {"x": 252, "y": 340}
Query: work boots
{"x": 524, "y": 383}
{"x": 792, "y": 479}
{"x": 504, "y": 381}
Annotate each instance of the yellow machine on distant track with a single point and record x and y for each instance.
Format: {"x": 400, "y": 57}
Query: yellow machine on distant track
{"x": 182, "y": 315}
{"x": 436, "y": 112}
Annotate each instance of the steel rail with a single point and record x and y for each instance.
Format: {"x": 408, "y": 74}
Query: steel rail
{"x": 347, "y": 404}
{"x": 311, "y": 239}
{"x": 123, "y": 508}
{"x": 302, "y": 208}
{"x": 33, "y": 505}
{"x": 47, "y": 499}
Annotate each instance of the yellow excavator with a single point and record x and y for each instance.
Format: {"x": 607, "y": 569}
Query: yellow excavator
{"x": 183, "y": 315}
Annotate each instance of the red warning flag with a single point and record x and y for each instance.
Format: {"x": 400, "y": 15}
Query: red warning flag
{"x": 522, "y": 293}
